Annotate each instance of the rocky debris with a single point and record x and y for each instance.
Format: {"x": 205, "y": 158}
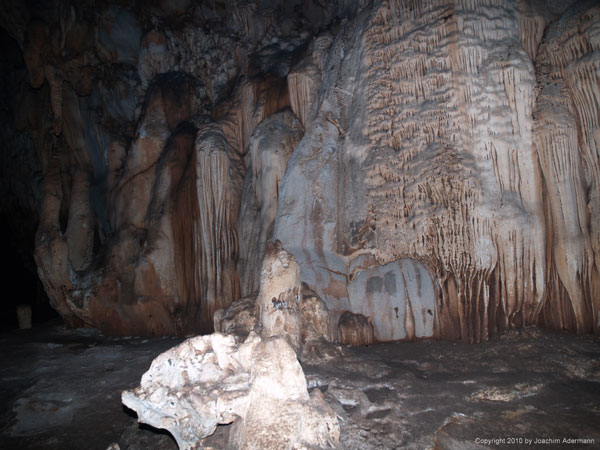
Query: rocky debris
{"x": 459, "y": 396}
{"x": 355, "y": 329}
{"x": 238, "y": 319}
{"x": 258, "y": 385}
{"x": 60, "y": 388}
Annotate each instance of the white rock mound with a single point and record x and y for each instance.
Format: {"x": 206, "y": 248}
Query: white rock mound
{"x": 258, "y": 384}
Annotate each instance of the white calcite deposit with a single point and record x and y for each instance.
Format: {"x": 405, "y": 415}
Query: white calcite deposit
{"x": 258, "y": 385}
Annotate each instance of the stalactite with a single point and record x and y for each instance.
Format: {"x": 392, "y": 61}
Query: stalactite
{"x": 462, "y": 136}
{"x": 252, "y": 101}
{"x": 533, "y": 19}
{"x": 218, "y": 204}
{"x": 454, "y": 207}
{"x": 566, "y": 138}
{"x": 80, "y": 228}
{"x": 56, "y": 92}
{"x": 440, "y": 123}
{"x": 35, "y": 40}
{"x": 303, "y": 83}
{"x": 184, "y": 217}
{"x": 270, "y": 147}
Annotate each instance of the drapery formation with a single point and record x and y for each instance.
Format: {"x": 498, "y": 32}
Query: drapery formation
{"x": 432, "y": 166}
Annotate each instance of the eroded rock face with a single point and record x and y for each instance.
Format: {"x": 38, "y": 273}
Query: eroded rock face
{"x": 151, "y": 124}
{"x": 424, "y": 143}
{"x": 432, "y": 166}
{"x": 211, "y": 380}
{"x": 402, "y": 287}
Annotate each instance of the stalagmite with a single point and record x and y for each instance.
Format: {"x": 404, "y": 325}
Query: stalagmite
{"x": 279, "y": 297}
{"x": 283, "y": 307}
{"x": 239, "y": 318}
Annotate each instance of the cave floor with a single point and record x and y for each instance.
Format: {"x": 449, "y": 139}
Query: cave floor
{"x": 522, "y": 386}
{"x": 60, "y": 389}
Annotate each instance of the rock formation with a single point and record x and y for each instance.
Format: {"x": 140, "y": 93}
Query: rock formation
{"x": 432, "y": 166}
{"x": 257, "y": 385}
{"x": 431, "y": 147}
{"x": 284, "y": 306}
{"x": 355, "y": 329}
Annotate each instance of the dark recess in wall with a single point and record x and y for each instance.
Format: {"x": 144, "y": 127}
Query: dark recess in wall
{"x": 20, "y": 173}
{"x": 20, "y": 284}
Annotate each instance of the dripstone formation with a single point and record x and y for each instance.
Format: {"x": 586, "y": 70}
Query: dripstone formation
{"x": 431, "y": 166}
{"x": 257, "y": 385}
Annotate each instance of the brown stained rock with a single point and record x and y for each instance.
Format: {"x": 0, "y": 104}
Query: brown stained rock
{"x": 80, "y": 231}
{"x": 154, "y": 57}
{"x": 355, "y": 329}
{"x": 55, "y": 82}
{"x": 315, "y": 312}
{"x": 166, "y": 268}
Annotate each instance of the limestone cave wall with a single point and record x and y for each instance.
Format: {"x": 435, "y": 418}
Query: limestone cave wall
{"x": 432, "y": 165}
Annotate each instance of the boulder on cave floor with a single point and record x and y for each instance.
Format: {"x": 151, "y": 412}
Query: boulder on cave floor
{"x": 257, "y": 385}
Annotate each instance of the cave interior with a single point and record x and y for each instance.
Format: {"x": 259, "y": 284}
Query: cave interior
{"x": 265, "y": 224}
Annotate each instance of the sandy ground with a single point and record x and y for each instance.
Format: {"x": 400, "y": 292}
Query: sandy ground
{"x": 60, "y": 389}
